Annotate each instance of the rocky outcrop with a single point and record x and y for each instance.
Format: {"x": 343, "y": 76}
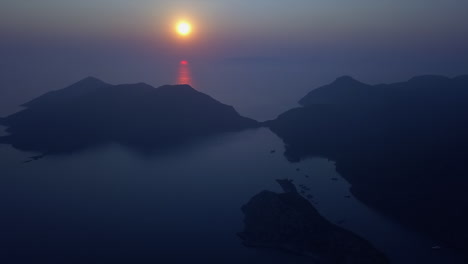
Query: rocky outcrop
{"x": 287, "y": 221}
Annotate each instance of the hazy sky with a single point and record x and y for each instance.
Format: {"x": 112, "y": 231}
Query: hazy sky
{"x": 250, "y": 27}
{"x": 50, "y": 43}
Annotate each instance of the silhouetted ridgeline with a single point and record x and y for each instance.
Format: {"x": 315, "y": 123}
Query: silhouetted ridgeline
{"x": 402, "y": 146}
{"x": 289, "y": 222}
{"x": 92, "y": 112}
{"x": 421, "y": 90}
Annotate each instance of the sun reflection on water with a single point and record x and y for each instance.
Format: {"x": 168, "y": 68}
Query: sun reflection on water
{"x": 184, "y": 75}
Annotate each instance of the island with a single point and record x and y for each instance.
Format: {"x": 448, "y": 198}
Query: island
{"x": 287, "y": 221}
{"x": 92, "y": 112}
{"x": 402, "y": 146}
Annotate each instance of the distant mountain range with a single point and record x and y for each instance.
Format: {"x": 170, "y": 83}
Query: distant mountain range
{"x": 402, "y": 146}
{"x": 425, "y": 90}
{"x": 92, "y": 112}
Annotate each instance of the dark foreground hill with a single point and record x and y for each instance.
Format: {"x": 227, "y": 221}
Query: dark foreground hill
{"x": 287, "y": 221}
{"x": 92, "y": 112}
{"x": 402, "y": 146}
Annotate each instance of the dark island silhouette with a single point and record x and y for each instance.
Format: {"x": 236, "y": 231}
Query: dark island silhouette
{"x": 402, "y": 146}
{"x": 287, "y": 221}
{"x": 92, "y": 112}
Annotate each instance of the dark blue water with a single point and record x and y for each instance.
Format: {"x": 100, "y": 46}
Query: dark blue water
{"x": 183, "y": 205}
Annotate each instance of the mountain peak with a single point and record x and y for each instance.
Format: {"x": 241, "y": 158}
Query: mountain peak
{"x": 91, "y": 78}
{"x": 88, "y": 81}
{"x": 344, "y": 89}
{"x": 346, "y": 80}
{"x": 82, "y": 87}
{"x": 87, "y": 84}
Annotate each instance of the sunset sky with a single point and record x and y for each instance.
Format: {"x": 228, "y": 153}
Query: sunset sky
{"x": 233, "y": 131}
{"x": 251, "y": 28}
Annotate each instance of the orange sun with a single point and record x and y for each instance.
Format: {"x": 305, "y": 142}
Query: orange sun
{"x": 184, "y": 28}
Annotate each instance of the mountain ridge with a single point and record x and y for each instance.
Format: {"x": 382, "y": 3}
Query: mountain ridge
{"x": 77, "y": 89}
{"x": 403, "y": 149}
{"x": 132, "y": 114}
{"x": 347, "y": 90}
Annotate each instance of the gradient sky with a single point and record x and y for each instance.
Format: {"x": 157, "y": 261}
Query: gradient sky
{"x": 56, "y": 42}
{"x": 252, "y": 27}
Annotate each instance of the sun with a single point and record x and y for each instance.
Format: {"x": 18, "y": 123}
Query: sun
{"x": 184, "y": 28}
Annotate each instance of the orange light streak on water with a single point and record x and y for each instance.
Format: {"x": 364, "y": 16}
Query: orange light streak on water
{"x": 184, "y": 75}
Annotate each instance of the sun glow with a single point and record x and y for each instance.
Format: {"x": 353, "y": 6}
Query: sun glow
{"x": 184, "y": 28}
